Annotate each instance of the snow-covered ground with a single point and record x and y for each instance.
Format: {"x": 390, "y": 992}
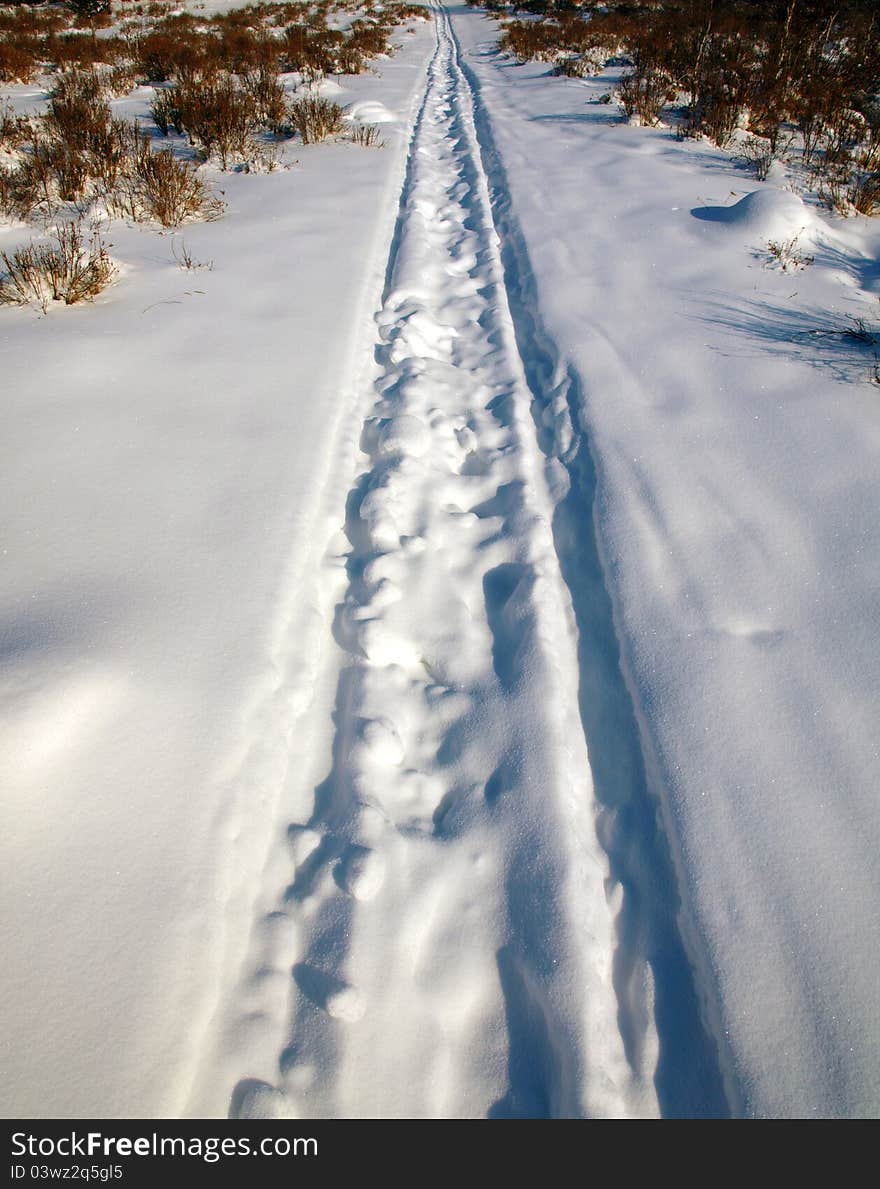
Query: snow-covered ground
{"x": 439, "y": 641}
{"x": 734, "y": 430}
{"x": 174, "y": 458}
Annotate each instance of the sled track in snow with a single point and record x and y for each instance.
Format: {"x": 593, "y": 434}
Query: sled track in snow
{"x": 459, "y": 938}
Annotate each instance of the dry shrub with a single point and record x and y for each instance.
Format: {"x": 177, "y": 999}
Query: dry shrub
{"x": 572, "y": 67}
{"x": 7, "y": 199}
{"x": 67, "y": 167}
{"x": 48, "y": 174}
{"x": 25, "y": 20}
{"x": 166, "y": 190}
{"x": 120, "y": 80}
{"x": 14, "y": 130}
{"x": 224, "y": 89}
{"x": 115, "y": 163}
{"x": 864, "y": 193}
{"x": 758, "y": 152}
{"x": 349, "y": 60}
{"x": 813, "y": 65}
{"x": 161, "y": 56}
{"x": 116, "y": 153}
{"x": 19, "y": 62}
{"x": 645, "y": 92}
{"x": 165, "y": 112}
{"x": 787, "y": 254}
{"x": 855, "y": 193}
{"x": 70, "y": 50}
{"x": 368, "y": 40}
{"x": 316, "y": 119}
{"x": 367, "y": 136}
{"x": 312, "y": 52}
{"x": 219, "y": 117}
{"x": 72, "y": 269}
{"x": 78, "y": 110}
{"x": 267, "y": 95}
{"x": 239, "y": 50}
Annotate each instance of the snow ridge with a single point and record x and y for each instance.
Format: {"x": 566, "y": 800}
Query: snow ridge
{"x": 450, "y": 924}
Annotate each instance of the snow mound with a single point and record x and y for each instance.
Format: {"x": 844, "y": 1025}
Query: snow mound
{"x": 369, "y": 111}
{"x": 763, "y": 214}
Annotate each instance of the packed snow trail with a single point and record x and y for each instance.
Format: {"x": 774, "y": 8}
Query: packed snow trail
{"x": 447, "y": 924}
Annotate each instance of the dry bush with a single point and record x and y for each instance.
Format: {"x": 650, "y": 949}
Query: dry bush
{"x": 67, "y": 167}
{"x": 47, "y": 174}
{"x": 7, "y": 198}
{"x": 165, "y": 190}
{"x": 115, "y": 154}
{"x": 645, "y": 92}
{"x": 759, "y": 153}
{"x": 316, "y": 119}
{"x": 864, "y": 193}
{"x": 854, "y": 193}
{"x": 239, "y": 42}
{"x": 397, "y": 14}
{"x": 262, "y": 157}
{"x": 367, "y": 136}
{"x": 70, "y": 50}
{"x": 294, "y": 47}
{"x": 77, "y": 109}
{"x": 27, "y": 20}
{"x": 165, "y": 112}
{"x": 239, "y": 50}
{"x": 267, "y": 95}
{"x": 161, "y": 55}
{"x": 78, "y": 85}
{"x": 578, "y": 65}
{"x": 368, "y": 39}
{"x": 788, "y": 255}
{"x": 187, "y": 261}
{"x": 14, "y": 130}
{"x": 52, "y": 169}
{"x": 72, "y": 269}
{"x": 223, "y": 71}
{"x": 774, "y": 66}
{"x": 120, "y": 80}
{"x": 563, "y": 34}
{"x": 19, "y": 61}
{"x": 109, "y": 159}
{"x": 219, "y": 117}
{"x": 311, "y": 51}
{"x": 349, "y": 60}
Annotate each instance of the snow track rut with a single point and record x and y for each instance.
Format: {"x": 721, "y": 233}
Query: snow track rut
{"x": 450, "y": 922}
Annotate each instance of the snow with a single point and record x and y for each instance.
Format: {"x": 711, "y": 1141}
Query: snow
{"x": 733, "y": 431}
{"x": 168, "y": 465}
{"x": 761, "y": 215}
{"x": 439, "y": 634}
{"x": 457, "y": 780}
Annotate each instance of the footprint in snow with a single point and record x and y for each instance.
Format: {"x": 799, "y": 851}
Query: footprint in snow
{"x": 380, "y": 742}
{"x": 253, "y": 1099}
{"x": 333, "y": 995}
{"x": 360, "y": 872}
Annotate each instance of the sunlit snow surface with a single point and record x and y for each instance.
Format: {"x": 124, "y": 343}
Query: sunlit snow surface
{"x": 367, "y": 595}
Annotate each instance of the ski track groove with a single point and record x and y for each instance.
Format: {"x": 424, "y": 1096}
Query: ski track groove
{"x": 454, "y": 940}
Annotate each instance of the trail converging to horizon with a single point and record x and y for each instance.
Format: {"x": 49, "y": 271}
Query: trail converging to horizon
{"x": 438, "y": 651}
{"x": 451, "y": 921}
